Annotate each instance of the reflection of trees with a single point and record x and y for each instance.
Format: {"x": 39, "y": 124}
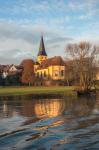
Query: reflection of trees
{"x": 80, "y": 107}
{"x": 8, "y": 106}
{"x": 6, "y": 110}
{"x": 29, "y": 107}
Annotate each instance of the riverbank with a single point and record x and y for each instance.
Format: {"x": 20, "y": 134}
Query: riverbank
{"x": 38, "y": 91}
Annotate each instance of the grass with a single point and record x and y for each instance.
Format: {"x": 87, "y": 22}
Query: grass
{"x": 4, "y": 91}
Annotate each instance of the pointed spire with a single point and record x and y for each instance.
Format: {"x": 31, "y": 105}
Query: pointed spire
{"x": 42, "y": 48}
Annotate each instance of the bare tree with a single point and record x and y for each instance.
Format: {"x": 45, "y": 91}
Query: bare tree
{"x": 70, "y": 74}
{"x": 84, "y": 56}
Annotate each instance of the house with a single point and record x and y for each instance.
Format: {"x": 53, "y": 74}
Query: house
{"x": 10, "y": 74}
{"x": 5, "y": 71}
{"x": 13, "y": 68}
{"x": 10, "y": 70}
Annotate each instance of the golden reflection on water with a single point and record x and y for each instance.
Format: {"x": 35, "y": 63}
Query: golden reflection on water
{"x": 49, "y": 108}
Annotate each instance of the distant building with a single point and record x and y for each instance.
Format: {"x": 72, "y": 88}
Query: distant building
{"x": 49, "y": 69}
{"x": 11, "y": 70}
{"x": 5, "y": 71}
{"x": 10, "y": 75}
{"x": 52, "y": 68}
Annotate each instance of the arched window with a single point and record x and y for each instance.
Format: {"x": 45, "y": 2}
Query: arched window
{"x": 41, "y": 75}
{"x": 62, "y": 73}
{"x": 37, "y": 74}
{"x": 56, "y": 73}
{"x": 44, "y": 73}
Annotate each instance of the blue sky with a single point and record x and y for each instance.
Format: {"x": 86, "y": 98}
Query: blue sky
{"x": 60, "y": 21}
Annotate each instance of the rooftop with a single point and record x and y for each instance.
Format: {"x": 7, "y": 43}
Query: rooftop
{"x": 54, "y": 61}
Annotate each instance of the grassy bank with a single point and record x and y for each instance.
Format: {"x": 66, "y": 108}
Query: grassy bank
{"x": 37, "y": 90}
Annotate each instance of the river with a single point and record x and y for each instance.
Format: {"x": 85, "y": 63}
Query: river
{"x": 49, "y": 124}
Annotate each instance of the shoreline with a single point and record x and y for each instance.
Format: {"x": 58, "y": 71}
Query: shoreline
{"x": 55, "y": 91}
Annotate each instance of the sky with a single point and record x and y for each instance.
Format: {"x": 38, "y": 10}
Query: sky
{"x": 22, "y": 22}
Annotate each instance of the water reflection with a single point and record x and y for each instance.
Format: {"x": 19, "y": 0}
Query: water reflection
{"x": 29, "y": 107}
{"x": 49, "y": 123}
{"x": 49, "y": 108}
{"x": 96, "y": 107}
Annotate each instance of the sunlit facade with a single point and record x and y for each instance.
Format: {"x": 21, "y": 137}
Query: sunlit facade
{"x": 49, "y": 68}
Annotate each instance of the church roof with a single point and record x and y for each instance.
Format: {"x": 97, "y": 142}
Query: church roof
{"x": 42, "y": 48}
{"x": 37, "y": 63}
{"x": 54, "y": 61}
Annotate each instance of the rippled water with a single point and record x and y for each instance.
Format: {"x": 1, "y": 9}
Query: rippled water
{"x": 49, "y": 124}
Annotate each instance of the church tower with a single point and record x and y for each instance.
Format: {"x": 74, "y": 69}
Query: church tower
{"x": 42, "y": 53}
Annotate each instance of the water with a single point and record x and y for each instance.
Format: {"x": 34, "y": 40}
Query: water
{"x": 49, "y": 124}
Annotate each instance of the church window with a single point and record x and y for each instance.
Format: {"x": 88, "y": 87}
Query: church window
{"x": 41, "y": 75}
{"x": 37, "y": 74}
{"x": 62, "y": 73}
{"x": 56, "y": 73}
{"x": 44, "y": 73}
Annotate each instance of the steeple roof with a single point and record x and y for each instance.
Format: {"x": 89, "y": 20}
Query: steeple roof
{"x": 42, "y": 48}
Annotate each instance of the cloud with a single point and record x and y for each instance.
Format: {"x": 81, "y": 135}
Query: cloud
{"x": 22, "y": 41}
{"x": 23, "y": 21}
{"x": 85, "y": 10}
{"x": 8, "y": 56}
{"x": 28, "y": 7}
{"x": 59, "y": 40}
{"x": 85, "y": 5}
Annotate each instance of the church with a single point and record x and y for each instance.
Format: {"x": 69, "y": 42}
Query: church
{"x": 49, "y": 69}
{"x": 43, "y": 71}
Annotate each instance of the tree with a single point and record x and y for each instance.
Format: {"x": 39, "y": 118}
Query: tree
{"x": 69, "y": 72}
{"x": 28, "y": 76}
{"x": 1, "y": 80}
{"x": 84, "y": 56}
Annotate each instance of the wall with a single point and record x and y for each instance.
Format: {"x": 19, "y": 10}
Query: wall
{"x": 53, "y": 72}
